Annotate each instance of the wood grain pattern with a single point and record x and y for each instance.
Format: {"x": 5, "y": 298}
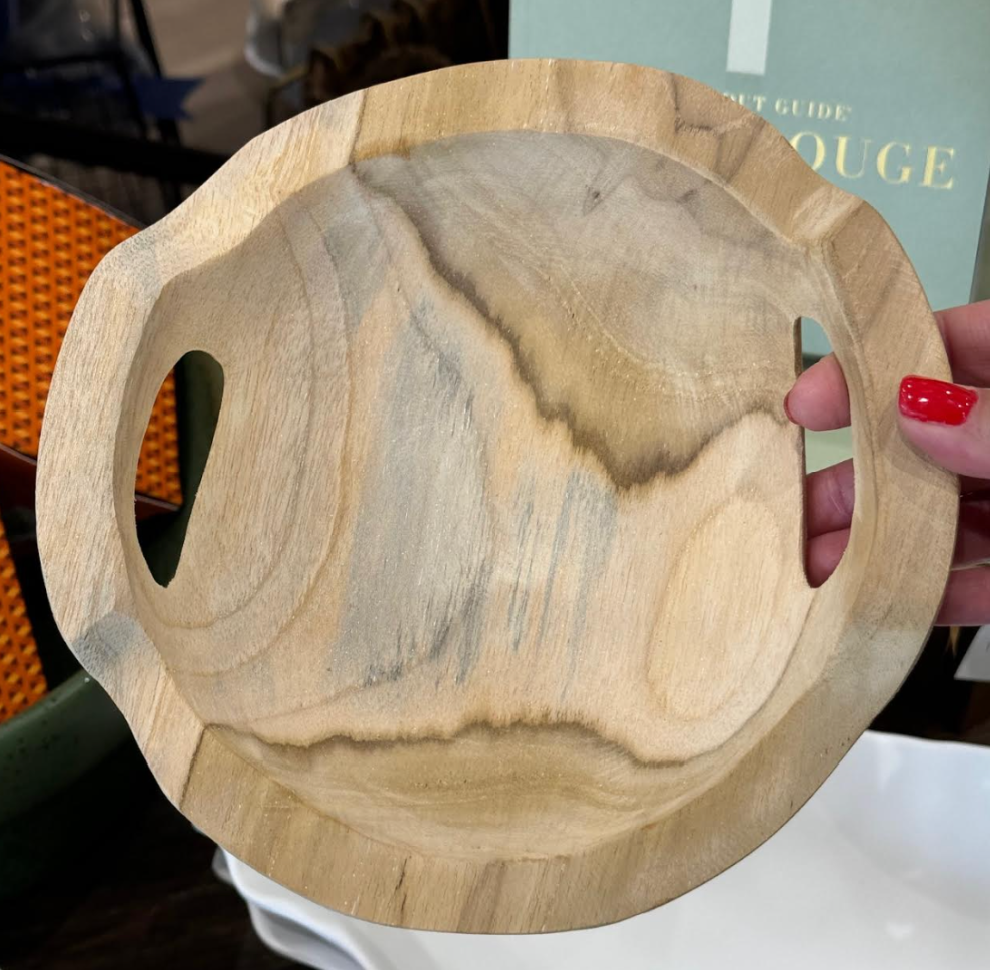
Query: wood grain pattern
{"x": 491, "y": 613}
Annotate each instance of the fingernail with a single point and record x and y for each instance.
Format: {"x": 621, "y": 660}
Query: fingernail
{"x": 787, "y": 408}
{"x": 936, "y": 402}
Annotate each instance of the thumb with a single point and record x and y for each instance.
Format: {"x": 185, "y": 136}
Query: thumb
{"x": 949, "y": 422}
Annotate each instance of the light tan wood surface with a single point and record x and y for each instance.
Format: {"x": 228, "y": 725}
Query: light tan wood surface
{"x": 491, "y": 613}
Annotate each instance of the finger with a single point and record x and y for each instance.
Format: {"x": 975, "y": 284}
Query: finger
{"x": 973, "y": 537}
{"x": 819, "y": 400}
{"x": 824, "y": 550}
{"x": 823, "y": 555}
{"x": 949, "y": 422}
{"x": 966, "y": 332}
{"x": 830, "y": 497}
{"x": 967, "y": 598}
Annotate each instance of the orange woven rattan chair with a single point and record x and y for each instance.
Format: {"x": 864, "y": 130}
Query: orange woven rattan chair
{"x": 50, "y": 241}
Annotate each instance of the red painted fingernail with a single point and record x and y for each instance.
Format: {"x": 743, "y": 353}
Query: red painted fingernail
{"x": 938, "y": 402}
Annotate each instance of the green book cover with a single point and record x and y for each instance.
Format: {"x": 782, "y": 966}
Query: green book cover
{"x": 887, "y": 98}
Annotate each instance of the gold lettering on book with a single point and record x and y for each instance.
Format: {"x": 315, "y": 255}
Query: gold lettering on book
{"x": 849, "y": 156}
{"x": 903, "y": 173}
{"x": 841, "y": 149}
{"x": 935, "y": 166}
{"x": 819, "y": 147}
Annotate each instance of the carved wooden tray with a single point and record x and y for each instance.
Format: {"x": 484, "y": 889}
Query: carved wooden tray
{"x": 491, "y": 613}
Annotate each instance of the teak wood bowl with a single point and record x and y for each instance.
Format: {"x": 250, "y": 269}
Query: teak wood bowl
{"x": 491, "y": 613}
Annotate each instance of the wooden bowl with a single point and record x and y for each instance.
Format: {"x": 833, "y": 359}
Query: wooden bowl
{"x": 491, "y": 613}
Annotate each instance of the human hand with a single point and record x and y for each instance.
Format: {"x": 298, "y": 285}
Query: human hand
{"x": 948, "y": 422}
